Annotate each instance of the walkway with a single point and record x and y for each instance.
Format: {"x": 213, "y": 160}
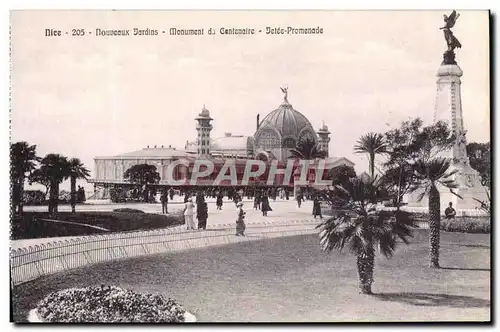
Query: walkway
{"x": 284, "y": 212}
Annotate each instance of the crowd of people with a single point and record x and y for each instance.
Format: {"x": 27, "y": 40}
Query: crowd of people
{"x": 261, "y": 201}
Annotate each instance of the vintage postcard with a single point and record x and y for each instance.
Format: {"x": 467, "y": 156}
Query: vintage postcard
{"x": 250, "y": 166}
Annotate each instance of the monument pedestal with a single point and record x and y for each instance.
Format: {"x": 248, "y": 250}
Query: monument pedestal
{"x": 469, "y": 190}
{"x": 448, "y": 108}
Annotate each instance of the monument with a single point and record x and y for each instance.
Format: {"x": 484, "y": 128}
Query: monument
{"x": 448, "y": 108}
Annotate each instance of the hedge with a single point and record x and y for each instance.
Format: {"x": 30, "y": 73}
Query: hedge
{"x": 467, "y": 225}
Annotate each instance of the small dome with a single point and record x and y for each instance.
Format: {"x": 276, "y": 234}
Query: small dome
{"x": 325, "y": 127}
{"x": 205, "y": 112}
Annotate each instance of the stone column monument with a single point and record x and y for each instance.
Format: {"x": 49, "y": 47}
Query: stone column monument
{"x": 448, "y": 108}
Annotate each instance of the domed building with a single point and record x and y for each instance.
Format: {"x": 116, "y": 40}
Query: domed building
{"x": 279, "y": 131}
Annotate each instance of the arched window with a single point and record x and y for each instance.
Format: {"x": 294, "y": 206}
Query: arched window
{"x": 268, "y": 139}
{"x": 289, "y": 143}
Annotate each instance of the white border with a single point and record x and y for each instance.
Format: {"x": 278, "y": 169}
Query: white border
{"x": 186, "y": 4}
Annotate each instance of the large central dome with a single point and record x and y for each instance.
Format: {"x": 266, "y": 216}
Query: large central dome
{"x": 282, "y": 129}
{"x": 287, "y": 121}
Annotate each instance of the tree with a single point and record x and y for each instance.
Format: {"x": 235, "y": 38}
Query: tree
{"x": 405, "y": 146}
{"x": 76, "y": 171}
{"x": 429, "y": 175}
{"x": 398, "y": 181}
{"x": 413, "y": 163}
{"x": 307, "y": 149}
{"x": 57, "y": 168}
{"x": 480, "y": 160}
{"x": 144, "y": 175}
{"x": 371, "y": 144}
{"x": 342, "y": 174}
{"x": 22, "y": 160}
{"x": 412, "y": 141}
{"x": 38, "y": 176}
{"x": 360, "y": 227}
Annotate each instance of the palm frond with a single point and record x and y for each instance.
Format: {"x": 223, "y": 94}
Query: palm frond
{"x": 359, "y": 225}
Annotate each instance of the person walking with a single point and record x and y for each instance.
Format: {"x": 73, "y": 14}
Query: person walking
{"x": 200, "y": 198}
{"x": 164, "y": 202}
{"x": 202, "y": 215}
{"x": 317, "y": 207}
{"x": 299, "y": 198}
{"x": 189, "y": 214}
{"x": 219, "y": 201}
{"x": 171, "y": 193}
{"x": 240, "y": 221}
{"x": 256, "y": 201}
{"x": 265, "y": 207}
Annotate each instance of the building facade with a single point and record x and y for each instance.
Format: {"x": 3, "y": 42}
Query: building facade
{"x": 279, "y": 132}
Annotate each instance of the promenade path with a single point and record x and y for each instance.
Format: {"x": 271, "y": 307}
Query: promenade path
{"x": 284, "y": 213}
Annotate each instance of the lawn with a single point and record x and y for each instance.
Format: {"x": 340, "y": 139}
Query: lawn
{"x": 290, "y": 280}
{"x": 32, "y": 225}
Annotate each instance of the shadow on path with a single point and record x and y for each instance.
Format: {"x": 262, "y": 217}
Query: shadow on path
{"x": 434, "y": 300}
{"x": 463, "y": 269}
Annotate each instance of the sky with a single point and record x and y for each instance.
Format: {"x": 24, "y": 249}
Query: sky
{"x": 102, "y": 96}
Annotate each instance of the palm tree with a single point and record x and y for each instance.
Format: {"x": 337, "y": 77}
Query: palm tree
{"x": 429, "y": 175}
{"x": 307, "y": 149}
{"x": 358, "y": 225}
{"x": 77, "y": 171}
{"x": 22, "y": 161}
{"x": 57, "y": 168}
{"x": 372, "y": 144}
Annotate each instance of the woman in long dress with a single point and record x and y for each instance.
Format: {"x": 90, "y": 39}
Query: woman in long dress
{"x": 202, "y": 215}
{"x": 299, "y": 198}
{"x": 265, "y": 207}
{"x": 317, "y": 207}
{"x": 240, "y": 221}
{"x": 219, "y": 201}
{"x": 189, "y": 214}
{"x": 256, "y": 201}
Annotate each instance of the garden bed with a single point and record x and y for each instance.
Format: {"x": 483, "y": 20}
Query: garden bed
{"x": 36, "y": 225}
{"x": 108, "y": 304}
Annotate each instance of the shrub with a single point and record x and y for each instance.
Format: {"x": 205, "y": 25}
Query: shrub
{"x": 34, "y": 197}
{"x": 128, "y": 210}
{"x": 117, "y": 195}
{"x": 108, "y": 304}
{"x": 466, "y": 225}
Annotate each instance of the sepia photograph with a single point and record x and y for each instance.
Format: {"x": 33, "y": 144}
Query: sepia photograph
{"x": 250, "y": 166}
